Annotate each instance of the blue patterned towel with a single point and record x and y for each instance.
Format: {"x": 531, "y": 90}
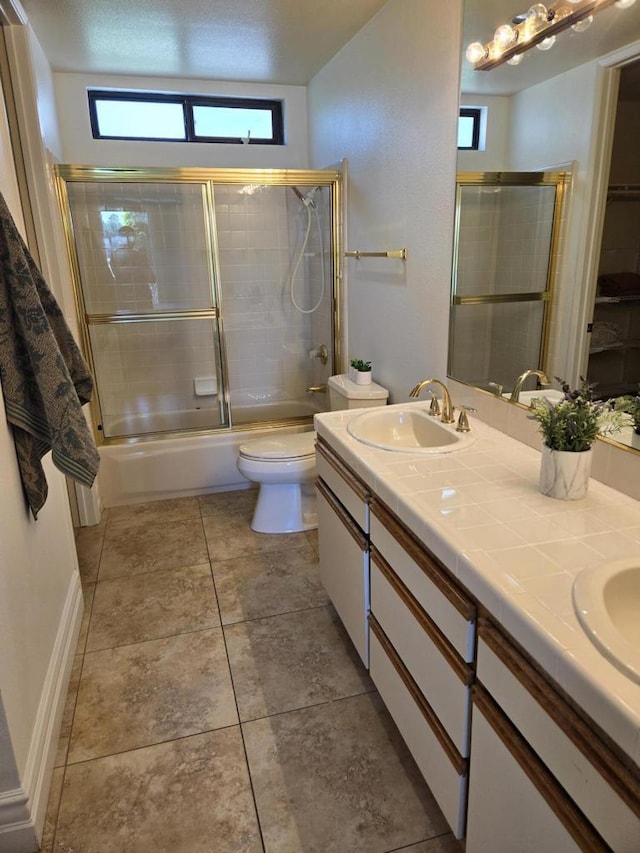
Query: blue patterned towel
{"x": 45, "y": 380}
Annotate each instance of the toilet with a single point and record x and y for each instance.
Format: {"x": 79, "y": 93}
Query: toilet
{"x": 284, "y": 466}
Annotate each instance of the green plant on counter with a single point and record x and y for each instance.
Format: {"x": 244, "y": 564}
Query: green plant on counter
{"x": 631, "y": 406}
{"x": 573, "y": 424}
{"x": 359, "y": 364}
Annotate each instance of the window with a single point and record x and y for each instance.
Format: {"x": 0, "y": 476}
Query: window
{"x": 469, "y": 128}
{"x": 184, "y": 118}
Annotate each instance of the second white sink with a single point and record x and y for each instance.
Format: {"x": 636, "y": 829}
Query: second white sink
{"x": 407, "y": 430}
{"x": 607, "y": 603}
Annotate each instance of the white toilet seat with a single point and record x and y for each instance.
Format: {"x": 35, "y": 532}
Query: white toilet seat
{"x": 280, "y": 448}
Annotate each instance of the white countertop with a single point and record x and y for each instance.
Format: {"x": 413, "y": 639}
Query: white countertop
{"x": 480, "y": 512}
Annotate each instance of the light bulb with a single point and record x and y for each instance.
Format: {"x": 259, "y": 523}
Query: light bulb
{"x": 624, "y": 4}
{"x": 547, "y": 44}
{"x": 584, "y": 24}
{"x": 535, "y": 20}
{"x": 516, "y": 59}
{"x": 574, "y": 2}
{"x": 504, "y": 36}
{"x": 475, "y": 52}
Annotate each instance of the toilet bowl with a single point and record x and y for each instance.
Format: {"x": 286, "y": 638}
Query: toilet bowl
{"x": 284, "y": 466}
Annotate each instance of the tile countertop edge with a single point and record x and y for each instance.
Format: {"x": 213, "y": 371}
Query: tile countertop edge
{"x": 555, "y": 639}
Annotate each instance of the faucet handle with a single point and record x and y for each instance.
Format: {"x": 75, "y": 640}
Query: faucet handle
{"x": 497, "y": 388}
{"x": 434, "y": 408}
{"x": 463, "y": 420}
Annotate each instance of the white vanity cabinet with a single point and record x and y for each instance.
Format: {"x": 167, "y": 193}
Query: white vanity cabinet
{"x": 542, "y": 777}
{"x": 422, "y": 629}
{"x": 343, "y": 527}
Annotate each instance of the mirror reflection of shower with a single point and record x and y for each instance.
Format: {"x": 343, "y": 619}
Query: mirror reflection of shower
{"x": 309, "y": 203}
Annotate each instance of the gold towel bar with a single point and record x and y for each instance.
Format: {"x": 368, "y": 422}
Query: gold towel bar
{"x": 394, "y": 253}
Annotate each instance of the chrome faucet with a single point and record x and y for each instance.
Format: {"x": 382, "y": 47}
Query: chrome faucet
{"x": 447, "y": 405}
{"x": 542, "y": 378}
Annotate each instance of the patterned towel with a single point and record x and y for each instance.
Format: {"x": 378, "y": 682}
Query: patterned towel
{"x": 45, "y": 380}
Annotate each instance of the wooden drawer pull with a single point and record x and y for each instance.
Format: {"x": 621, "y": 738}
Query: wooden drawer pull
{"x": 343, "y": 471}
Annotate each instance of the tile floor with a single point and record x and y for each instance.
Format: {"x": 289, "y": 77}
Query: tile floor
{"x": 217, "y": 705}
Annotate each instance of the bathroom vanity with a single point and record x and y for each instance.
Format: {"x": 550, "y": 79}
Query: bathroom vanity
{"x": 453, "y": 577}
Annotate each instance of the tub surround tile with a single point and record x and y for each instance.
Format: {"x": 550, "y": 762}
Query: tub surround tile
{"x": 191, "y": 795}
{"x": 151, "y": 606}
{"x": 137, "y": 549}
{"x": 345, "y": 760}
{"x": 292, "y": 661}
{"x": 156, "y": 512}
{"x": 151, "y": 692}
{"x": 267, "y": 584}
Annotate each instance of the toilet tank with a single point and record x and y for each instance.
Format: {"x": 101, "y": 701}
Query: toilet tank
{"x": 345, "y": 394}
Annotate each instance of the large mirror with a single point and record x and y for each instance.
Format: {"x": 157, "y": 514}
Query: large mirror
{"x": 574, "y": 108}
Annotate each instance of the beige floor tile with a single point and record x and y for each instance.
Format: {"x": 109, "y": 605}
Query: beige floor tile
{"x": 176, "y": 509}
{"x": 152, "y": 605}
{"x": 89, "y": 542}
{"x": 67, "y": 714}
{"x": 443, "y": 844}
{"x": 48, "y": 832}
{"x": 312, "y": 539}
{"x": 239, "y": 503}
{"x": 134, "y": 550}
{"x": 88, "y": 592}
{"x": 267, "y": 584}
{"x": 150, "y": 692}
{"x": 229, "y": 537}
{"x": 338, "y": 778}
{"x": 292, "y": 661}
{"x": 188, "y": 796}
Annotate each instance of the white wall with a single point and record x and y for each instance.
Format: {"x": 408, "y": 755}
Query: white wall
{"x": 388, "y": 102}
{"x": 40, "y": 606}
{"x": 79, "y": 147}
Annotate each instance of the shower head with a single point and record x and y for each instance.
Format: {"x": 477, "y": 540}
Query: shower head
{"x": 307, "y": 198}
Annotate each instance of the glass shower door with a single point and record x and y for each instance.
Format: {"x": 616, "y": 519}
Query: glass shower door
{"x": 506, "y": 237}
{"x": 144, "y": 257}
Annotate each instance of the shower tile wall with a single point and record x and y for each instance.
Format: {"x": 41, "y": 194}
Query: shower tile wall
{"x": 260, "y": 234}
{"x": 503, "y": 248}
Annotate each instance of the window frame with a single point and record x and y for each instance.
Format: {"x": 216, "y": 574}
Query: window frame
{"x": 188, "y": 102}
{"x": 476, "y": 114}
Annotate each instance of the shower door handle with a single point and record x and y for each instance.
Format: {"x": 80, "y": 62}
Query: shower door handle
{"x": 317, "y": 389}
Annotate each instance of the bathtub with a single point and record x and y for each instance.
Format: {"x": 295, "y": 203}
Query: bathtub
{"x": 191, "y": 464}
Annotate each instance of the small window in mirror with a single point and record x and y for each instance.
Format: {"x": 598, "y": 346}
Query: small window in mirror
{"x": 469, "y": 128}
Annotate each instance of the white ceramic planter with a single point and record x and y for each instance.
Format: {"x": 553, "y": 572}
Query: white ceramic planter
{"x": 565, "y": 475}
{"x": 363, "y": 377}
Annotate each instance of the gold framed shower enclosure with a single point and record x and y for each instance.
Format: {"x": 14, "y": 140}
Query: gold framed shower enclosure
{"x": 506, "y": 251}
{"x": 122, "y": 224}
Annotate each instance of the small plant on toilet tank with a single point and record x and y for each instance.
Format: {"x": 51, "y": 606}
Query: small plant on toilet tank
{"x": 362, "y": 371}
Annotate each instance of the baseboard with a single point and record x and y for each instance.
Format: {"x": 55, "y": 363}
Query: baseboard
{"x": 23, "y": 810}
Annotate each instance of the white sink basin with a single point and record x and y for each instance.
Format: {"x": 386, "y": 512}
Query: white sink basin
{"x": 407, "y": 430}
{"x": 607, "y": 601}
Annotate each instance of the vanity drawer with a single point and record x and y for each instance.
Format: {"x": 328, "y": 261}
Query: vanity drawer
{"x": 439, "y": 672}
{"x": 346, "y": 486}
{"x": 442, "y": 767}
{"x": 451, "y": 610}
{"x": 606, "y": 792}
{"x": 344, "y": 567}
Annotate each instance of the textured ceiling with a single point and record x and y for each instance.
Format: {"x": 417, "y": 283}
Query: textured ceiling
{"x": 277, "y": 41}
{"x": 280, "y": 41}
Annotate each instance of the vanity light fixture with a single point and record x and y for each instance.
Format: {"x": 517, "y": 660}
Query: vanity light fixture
{"x": 537, "y": 27}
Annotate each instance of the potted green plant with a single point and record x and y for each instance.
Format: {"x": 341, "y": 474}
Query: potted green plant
{"x": 631, "y": 406}
{"x": 362, "y": 371}
{"x": 569, "y": 428}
